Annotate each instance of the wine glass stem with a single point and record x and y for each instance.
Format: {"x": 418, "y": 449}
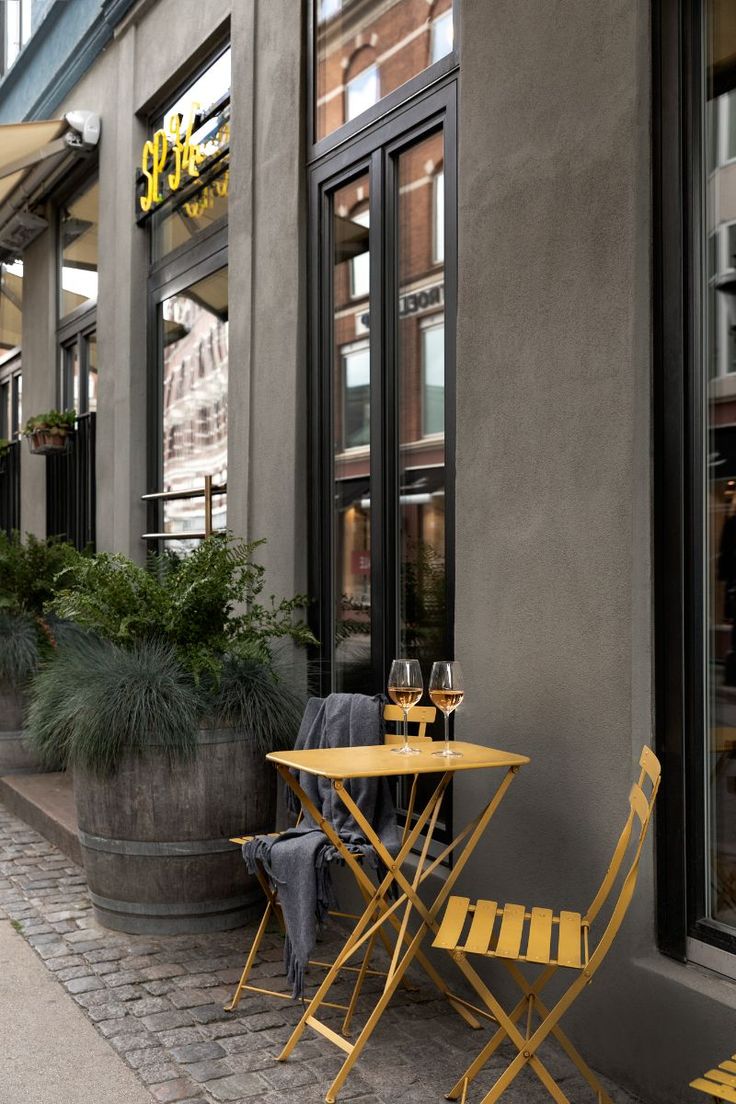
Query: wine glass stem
{"x": 447, "y": 732}
{"x": 406, "y": 728}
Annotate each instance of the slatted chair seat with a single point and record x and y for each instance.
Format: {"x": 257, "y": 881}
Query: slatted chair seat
{"x": 517, "y": 936}
{"x": 515, "y": 932}
{"x": 419, "y": 717}
{"x": 719, "y": 1083}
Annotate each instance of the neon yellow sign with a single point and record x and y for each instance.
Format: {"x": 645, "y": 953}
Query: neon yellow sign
{"x": 170, "y": 159}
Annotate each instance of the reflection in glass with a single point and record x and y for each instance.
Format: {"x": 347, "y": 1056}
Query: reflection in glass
{"x": 5, "y": 410}
{"x": 442, "y": 36}
{"x": 79, "y": 250}
{"x": 194, "y": 334}
{"x": 71, "y": 394}
{"x": 362, "y": 92}
{"x": 351, "y": 384}
{"x": 421, "y": 375}
{"x": 720, "y": 380}
{"x": 11, "y": 305}
{"x": 204, "y": 105}
{"x": 364, "y": 51}
{"x": 91, "y": 342}
{"x": 20, "y": 19}
{"x": 357, "y": 392}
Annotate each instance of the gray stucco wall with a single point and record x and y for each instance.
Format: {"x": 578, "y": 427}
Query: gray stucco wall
{"x": 554, "y": 492}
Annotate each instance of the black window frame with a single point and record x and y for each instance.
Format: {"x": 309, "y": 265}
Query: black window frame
{"x": 679, "y": 478}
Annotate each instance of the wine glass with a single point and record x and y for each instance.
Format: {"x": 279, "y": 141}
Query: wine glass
{"x": 446, "y": 689}
{"x": 405, "y": 688}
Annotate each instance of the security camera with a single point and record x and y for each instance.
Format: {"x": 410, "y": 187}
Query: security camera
{"x": 86, "y": 125}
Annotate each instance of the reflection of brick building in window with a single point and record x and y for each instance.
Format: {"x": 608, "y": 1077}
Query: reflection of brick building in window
{"x": 367, "y": 48}
{"x": 195, "y": 371}
{"x": 420, "y": 379}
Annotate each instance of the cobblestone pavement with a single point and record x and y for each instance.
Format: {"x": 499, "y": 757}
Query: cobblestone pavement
{"x": 159, "y": 1003}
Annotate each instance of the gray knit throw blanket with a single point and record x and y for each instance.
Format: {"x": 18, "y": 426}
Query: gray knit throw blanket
{"x": 297, "y": 862}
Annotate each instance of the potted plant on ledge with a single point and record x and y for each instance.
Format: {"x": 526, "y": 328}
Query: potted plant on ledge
{"x": 165, "y": 705}
{"x": 50, "y": 433}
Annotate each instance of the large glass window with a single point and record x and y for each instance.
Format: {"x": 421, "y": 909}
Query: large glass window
{"x": 423, "y": 630}
{"x": 352, "y": 436}
{"x": 695, "y": 520}
{"x": 78, "y": 224}
{"x": 193, "y": 328}
{"x": 385, "y": 568}
{"x": 11, "y": 397}
{"x": 79, "y": 371}
{"x": 20, "y": 18}
{"x": 365, "y": 51}
{"x": 199, "y": 121}
{"x": 718, "y": 894}
{"x": 11, "y": 306}
{"x": 185, "y": 203}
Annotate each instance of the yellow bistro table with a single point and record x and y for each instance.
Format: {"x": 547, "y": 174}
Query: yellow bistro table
{"x": 380, "y": 761}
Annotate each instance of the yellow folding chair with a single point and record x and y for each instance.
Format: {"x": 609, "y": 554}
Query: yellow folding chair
{"x": 553, "y": 941}
{"x": 719, "y": 1083}
{"x": 419, "y": 718}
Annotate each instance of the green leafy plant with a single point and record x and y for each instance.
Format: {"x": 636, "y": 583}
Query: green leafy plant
{"x": 29, "y": 569}
{"x": 20, "y": 650}
{"x": 55, "y": 422}
{"x": 4, "y": 447}
{"x": 204, "y": 605}
{"x": 96, "y": 701}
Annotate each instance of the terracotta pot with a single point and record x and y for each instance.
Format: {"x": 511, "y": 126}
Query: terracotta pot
{"x": 49, "y": 442}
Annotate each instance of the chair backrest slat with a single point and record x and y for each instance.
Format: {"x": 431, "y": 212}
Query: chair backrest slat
{"x": 420, "y": 715}
{"x": 640, "y": 809}
{"x": 639, "y": 803}
{"x": 649, "y": 762}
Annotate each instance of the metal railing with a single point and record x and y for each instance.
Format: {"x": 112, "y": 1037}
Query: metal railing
{"x": 71, "y": 488}
{"x": 10, "y": 489}
{"x": 208, "y": 492}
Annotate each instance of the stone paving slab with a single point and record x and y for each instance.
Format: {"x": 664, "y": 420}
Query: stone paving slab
{"x": 158, "y": 1001}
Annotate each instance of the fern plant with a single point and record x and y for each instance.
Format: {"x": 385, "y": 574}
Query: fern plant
{"x": 28, "y": 572}
{"x": 205, "y": 605}
{"x": 29, "y": 569}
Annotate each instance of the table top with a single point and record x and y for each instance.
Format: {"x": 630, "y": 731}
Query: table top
{"x": 380, "y": 760}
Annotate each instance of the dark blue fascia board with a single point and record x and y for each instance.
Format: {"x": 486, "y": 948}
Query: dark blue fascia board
{"x": 65, "y": 46}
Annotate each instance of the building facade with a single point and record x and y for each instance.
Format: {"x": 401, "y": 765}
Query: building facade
{"x": 438, "y": 295}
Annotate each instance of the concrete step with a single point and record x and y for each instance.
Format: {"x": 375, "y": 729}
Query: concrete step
{"x": 46, "y": 803}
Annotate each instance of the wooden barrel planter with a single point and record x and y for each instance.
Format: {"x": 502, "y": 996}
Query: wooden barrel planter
{"x": 155, "y": 836}
{"x": 16, "y": 754}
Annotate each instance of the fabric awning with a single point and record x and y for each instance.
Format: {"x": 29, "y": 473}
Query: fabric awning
{"x": 33, "y": 156}
{"x": 23, "y": 145}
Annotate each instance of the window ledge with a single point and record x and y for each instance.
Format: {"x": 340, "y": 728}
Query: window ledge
{"x": 706, "y": 983}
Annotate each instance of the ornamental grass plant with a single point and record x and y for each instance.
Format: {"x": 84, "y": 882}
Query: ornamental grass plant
{"x": 20, "y": 651}
{"x": 96, "y": 701}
